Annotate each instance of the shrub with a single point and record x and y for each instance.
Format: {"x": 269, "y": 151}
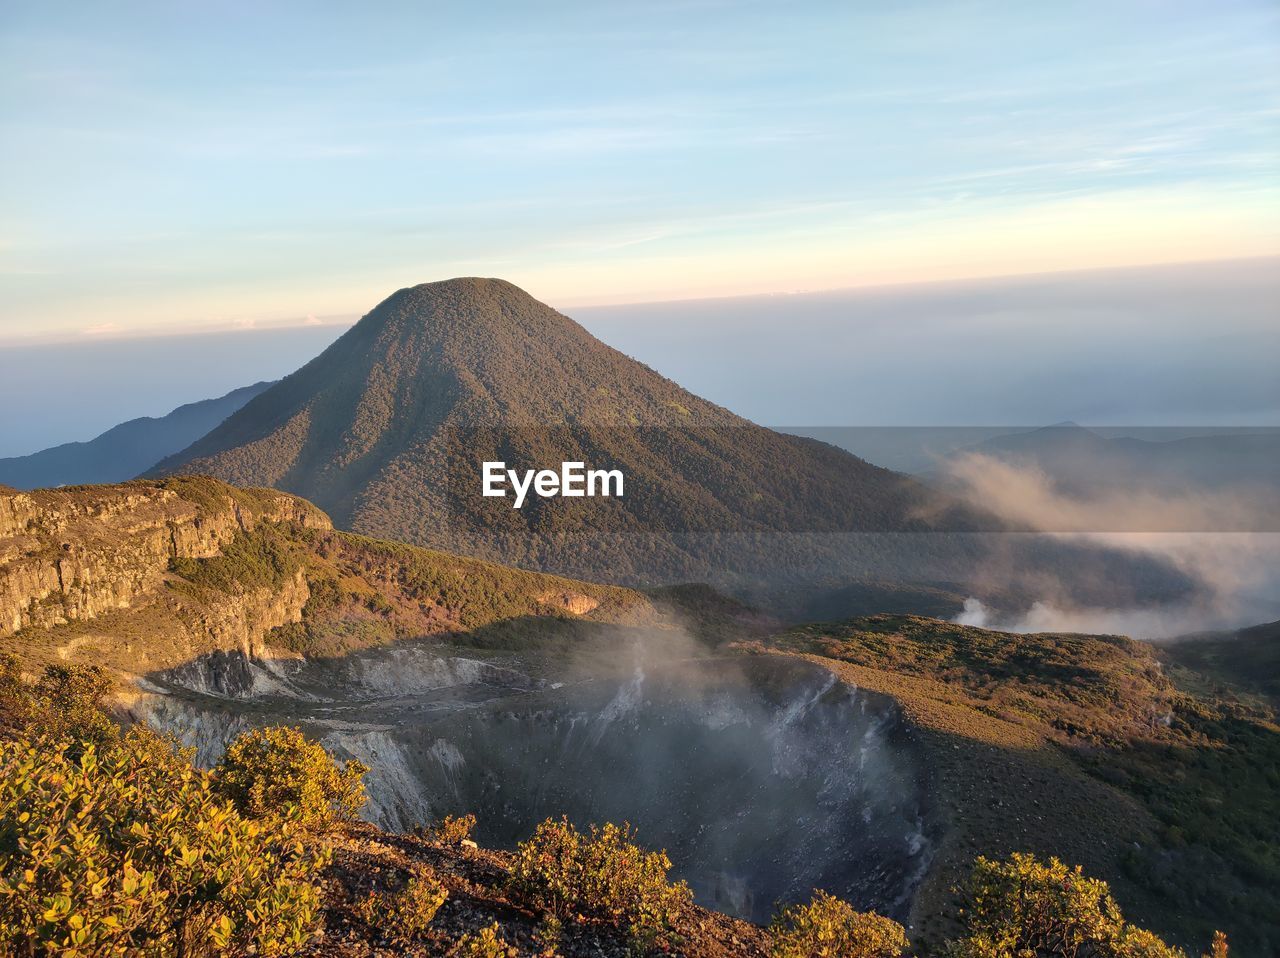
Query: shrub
{"x": 549, "y": 934}
{"x": 279, "y": 771}
{"x": 1218, "y": 949}
{"x": 404, "y": 915}
{"x": 1025, "y": 907}
{"x": 64, "y": 704}
{"x": 1134, "y": 942}
{"x": 131, "y": 852}
{"x": 829, "y": 928}
{"x": 601, "y": 874}
{"x": 14, "y": 694}
{"x": 485, "y": 943}
{"x": 451, "y": 830}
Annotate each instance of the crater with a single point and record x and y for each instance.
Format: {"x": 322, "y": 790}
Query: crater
{"x": 764, "y": 777}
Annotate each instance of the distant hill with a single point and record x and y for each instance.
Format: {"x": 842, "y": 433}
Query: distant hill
{"x": 1246, "y": 661}
{"x": 1082, "y": 462}
{"x": 125, "y": 450}
{"x": 387, "y": 429}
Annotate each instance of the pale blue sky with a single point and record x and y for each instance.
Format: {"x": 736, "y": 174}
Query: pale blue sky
{"x": 176, "y": 165}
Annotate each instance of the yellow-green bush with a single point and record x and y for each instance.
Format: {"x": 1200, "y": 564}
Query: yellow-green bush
{"x": 404, "y": 915}
{"x": 64, "y": 703}
{"x": 1024, "y": 907}
{"x": 451, "y": 830}
{"x": 600, "y": 874}
{"x": 129, "y": 852}
{"x": 827, "y": 927}
{"x": 279, "y": 771}
{"x": 1218, "y": 947}
{"x": 485, "y": 943}
{"x": 549, "y": 935}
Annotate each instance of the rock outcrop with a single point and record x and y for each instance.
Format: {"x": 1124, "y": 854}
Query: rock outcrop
{"x": 74, "y": 554}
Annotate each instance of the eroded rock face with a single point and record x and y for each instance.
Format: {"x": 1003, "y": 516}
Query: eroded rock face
{"x": 763, "y": 777}
{"x": 75, "y": 554}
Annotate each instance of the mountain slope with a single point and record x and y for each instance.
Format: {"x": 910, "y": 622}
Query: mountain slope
{"x": 388, "y": 428}
{"x": 125, "y": 450}
{"x": 1244, "y": 662}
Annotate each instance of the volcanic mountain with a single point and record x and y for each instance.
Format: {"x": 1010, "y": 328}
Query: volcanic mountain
{"x": 388, "y": 428}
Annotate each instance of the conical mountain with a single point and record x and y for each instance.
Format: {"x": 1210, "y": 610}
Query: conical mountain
{"x": 388, "y": 428}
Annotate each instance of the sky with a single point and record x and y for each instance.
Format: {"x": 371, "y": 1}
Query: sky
{"x": 1165, "y": 347}
{"x": 182, "y": 167}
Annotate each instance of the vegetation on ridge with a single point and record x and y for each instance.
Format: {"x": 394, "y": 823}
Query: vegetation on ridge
{"x": 1170, "y": 794}
{"x": 331, "y": 592}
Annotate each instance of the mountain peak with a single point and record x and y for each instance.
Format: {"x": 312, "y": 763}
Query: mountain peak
{"x": 464, "y": 284}
{"x": 466, "y": 304}
{"x": 461, "y": 289}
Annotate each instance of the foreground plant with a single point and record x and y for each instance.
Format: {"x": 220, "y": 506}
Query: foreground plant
{"x": 450, "y": 830}
{"x": 485, "y": 943}
{"x": 279, "y": 771}
{"x": 1025, "y": 908}
{"x": 130, "y": 851}
{"x": 827, "y": 927}
{"x": 600, "y": 874}
{"x": 404, "y": 915}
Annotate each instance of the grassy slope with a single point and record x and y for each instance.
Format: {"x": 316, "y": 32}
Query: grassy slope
{"x": 1080, "y": 746}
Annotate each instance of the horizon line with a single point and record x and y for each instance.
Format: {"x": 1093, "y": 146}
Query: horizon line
{"x": 345, "y": 320}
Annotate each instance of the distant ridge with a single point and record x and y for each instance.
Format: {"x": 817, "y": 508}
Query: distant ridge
{"x": 1083, "y": 462}
{"x": 125, "y": 450}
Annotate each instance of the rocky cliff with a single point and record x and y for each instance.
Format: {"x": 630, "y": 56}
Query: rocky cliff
{"x": 73, "y": 554}
{"x": 149, "y": 575}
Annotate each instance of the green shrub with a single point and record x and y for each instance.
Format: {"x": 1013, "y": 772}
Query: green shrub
{"x": 279, "y": 771}
{"x": 485, "y": 943}
{"x": 601, "y": 874}
{"x": 549, "y": 935}
{"x": 64, "y": 704}
{"x": 131, "y": 852}
{"x": 451, "y": 830}
{"x": 1024, "y": 907}
{"x": 404, "y": 915}
{"x": 829, "y": 928}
